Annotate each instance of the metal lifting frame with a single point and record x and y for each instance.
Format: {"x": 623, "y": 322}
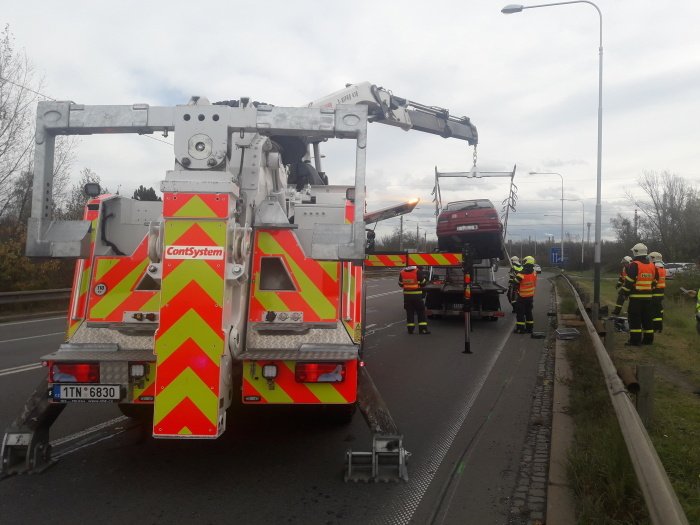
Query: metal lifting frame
{"x": 52, "y": 238}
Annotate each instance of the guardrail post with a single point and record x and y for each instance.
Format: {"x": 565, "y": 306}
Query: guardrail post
{"x": 609, "y": 340}
{"x": 645, "y": 397}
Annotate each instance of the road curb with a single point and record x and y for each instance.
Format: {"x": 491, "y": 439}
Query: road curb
{"x": 560, "y": 498}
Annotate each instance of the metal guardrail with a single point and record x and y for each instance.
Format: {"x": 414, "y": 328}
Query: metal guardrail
{"x": 34, "y": 296}
{"x": 661, "y": 501}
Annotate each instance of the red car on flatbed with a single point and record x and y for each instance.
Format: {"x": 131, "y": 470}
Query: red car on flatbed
{"x": 472, "y": 221}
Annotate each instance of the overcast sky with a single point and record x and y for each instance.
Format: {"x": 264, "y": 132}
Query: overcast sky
{"x": 528, "y": 81}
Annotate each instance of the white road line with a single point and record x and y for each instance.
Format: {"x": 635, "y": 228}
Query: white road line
{"x": 34, "y": 320}
{"x": 87, "y": 431}
{"x": 31, "y": 337}
{"x": 400, "y": 509}
{"x": 383, "y": 294}
{"x": 20, "y": 369}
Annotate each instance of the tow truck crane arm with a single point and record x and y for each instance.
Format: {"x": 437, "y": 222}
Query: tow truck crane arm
{"x": 406, "y": 114}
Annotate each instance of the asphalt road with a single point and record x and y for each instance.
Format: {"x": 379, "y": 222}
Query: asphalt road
{"x": 464, "y": 419}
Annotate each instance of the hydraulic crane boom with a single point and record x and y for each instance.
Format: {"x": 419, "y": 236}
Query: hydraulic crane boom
{"x": 387, "y": 108}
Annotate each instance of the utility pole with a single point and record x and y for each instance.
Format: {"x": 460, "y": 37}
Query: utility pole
{"x": 401, "y": 235}
{"x": 417, "y": 236}
{"x": 636, "y": 225}
{"x": 425, "y": 241}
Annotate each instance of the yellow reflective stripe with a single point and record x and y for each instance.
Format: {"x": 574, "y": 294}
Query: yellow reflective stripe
{"x": 412, "y": 293}
{"x": 117, "y": 295}
{"x": 635, "y": 331}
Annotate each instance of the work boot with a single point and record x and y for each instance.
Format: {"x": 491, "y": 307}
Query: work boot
{"x": 616, "y": 311}
{"x": 423, "y": 331}
{"x": 410, "y": 329}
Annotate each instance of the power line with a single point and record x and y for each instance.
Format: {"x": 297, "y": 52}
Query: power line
{"x": 27, "y": 88}
{"x": 51, "y": 98}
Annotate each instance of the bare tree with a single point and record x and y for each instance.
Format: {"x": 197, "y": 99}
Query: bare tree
{"x": 670, "y": 216}
{"x": 17, "y": 103}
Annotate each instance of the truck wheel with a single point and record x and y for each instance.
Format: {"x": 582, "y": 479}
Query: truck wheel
{"x": 143, "y": 413}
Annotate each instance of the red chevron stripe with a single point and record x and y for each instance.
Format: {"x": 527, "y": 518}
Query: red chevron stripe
{"x": 133, "y": 301}
{"x": 191, "y": 297}
{"x": 189, "y": 355}
{"x": 249, "y": 390}
{"x": 349, "y": 212}
{"x": 125, "y": 265}
{"x": 289, "y": 243}
{"x": 185, "y": 414}
{"x": 217, "y": 203}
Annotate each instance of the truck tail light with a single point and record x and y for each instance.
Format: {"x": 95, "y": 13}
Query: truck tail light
{"x": 74, "y": 372}
{"x": 319, "y": 372}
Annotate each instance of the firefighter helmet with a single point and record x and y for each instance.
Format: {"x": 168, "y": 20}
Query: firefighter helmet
{"x": 515, "y": 259}
{"x": 626, "y": 259}
{"x": 411, "y": 268}
{"x": 639, "y": 249}
{"x": 529, "y": 259}
{"x": 655, "y": 257}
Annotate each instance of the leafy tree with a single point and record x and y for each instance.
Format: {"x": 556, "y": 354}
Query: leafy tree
{"x": 145, "y": 194}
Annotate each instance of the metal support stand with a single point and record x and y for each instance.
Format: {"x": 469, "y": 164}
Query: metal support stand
{"x": 467, "y": 270}
{"x": 25, "y": 447}
{"x": 388, "y": 458}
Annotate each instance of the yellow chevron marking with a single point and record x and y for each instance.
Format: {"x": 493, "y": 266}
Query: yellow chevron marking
{"x": 195, "y": 207}
{"x": 190, "y": 326}
{"x": 102, "y": 266}
{"x": 114, "y": 297}
{"x": 186, "y": 385}
{"x": 200, "y": 272}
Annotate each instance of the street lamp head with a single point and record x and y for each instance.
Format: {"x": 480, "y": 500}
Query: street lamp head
{"x": 511, "y": 8}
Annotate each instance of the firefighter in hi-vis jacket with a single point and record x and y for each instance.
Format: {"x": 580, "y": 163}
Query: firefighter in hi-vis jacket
{"x": 621, "y": 296}
{"x": 657, "y": 294}
{"x": 412, "y": 280}
{"x": 527, "y": 282}
{"x": 515, "y": 269}
{"x": 639, "y": 283}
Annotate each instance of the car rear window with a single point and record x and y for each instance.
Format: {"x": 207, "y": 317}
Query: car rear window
{"x": 465, "y": 205}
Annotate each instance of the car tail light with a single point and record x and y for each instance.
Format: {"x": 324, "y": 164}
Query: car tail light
{"x": 319, "y": 372}
{"x": 74, "y": 373}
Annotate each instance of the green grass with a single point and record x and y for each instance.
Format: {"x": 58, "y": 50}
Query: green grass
{"x": 600, "y": 472}
{"x": 675, "y": 430}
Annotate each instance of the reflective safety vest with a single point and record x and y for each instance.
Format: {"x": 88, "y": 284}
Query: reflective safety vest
{"x": 660, "y": 285}
{"x": 514, "y": 271}
{"x": 526, "y": 284}
{"x": 646, "y": 272}
{"x": 409, "y": 281}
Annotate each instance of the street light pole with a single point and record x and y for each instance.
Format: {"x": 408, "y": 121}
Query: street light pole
{"x": 513, "y": 8}
{"x": 562, "y": 206}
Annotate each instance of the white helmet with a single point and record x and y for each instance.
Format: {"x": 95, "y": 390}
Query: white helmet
{"x": 655, "y": 257}
{"x": 411, "y": 268}
{"x": 639, "y": 249}
{"x": 626, "y": 259}
{"x": 515, "y": 259}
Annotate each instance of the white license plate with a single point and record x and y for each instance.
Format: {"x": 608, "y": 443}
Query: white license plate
{"x": 467, "y": 227}
{"x": 86, "y": 393}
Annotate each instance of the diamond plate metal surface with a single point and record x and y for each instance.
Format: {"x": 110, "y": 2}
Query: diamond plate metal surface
{"x": 88, "y": 354}
{"x": 258, "y": 341}
{"x": 294, "y": 355}
{"x": 87, "y": 335}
